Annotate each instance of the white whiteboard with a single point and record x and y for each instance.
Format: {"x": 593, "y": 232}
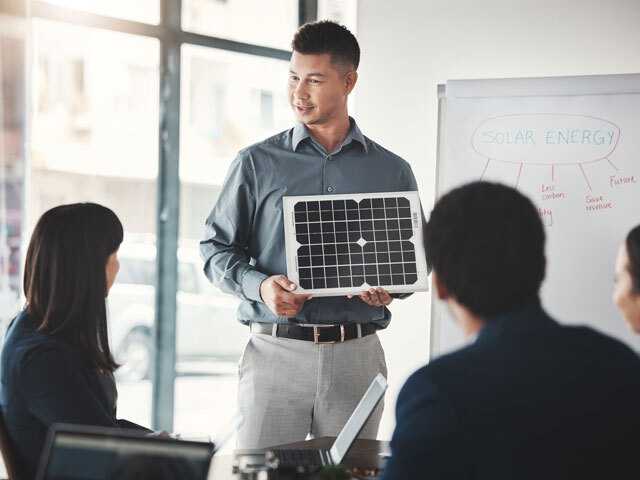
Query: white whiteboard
{"x": 572, "y": 145}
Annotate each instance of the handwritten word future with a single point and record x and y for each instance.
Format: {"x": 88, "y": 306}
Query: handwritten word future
{"x": 614, "y": 180}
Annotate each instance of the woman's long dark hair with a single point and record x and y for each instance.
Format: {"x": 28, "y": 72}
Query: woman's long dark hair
{"x": 65, "y": 277}
{"x": 633, "y": 252}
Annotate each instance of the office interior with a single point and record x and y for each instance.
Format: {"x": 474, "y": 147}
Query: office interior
{"x": 141, "y": 106}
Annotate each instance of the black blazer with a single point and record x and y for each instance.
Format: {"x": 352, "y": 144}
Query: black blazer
{"x": 45, "y": 381}
{"x": 529, "y": 399}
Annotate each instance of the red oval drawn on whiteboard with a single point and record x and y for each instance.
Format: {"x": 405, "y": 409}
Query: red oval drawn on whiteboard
{"x": 545, "y": 139}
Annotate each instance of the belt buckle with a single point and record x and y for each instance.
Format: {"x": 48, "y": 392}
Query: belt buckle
{"x": 316, "y": 334}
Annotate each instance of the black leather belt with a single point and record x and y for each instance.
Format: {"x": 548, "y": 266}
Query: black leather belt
{"x": 318, "y": 333}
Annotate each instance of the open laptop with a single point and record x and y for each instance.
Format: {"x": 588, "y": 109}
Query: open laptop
{"x": 76, "y": 452}
{"x": 314, "y": 459}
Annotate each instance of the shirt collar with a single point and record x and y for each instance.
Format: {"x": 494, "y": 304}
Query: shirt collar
{"x": 301, "y": 132}
{"x": 355, "y": 134}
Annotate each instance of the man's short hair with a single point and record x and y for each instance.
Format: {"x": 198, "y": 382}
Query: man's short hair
{"x": 485, "y": 241}
{"x": 329, "y": 37}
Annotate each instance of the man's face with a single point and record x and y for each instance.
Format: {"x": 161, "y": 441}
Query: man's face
{"x": 318, "y": 89}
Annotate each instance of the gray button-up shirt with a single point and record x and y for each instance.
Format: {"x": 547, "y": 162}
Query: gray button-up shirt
{"x": 244, "y": 233}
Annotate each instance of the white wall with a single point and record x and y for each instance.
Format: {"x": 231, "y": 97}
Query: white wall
{"x": 411, "y": 46}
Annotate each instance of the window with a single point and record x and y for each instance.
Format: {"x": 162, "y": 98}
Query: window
{"x": 228, "y": 101}
{"x": 344, "y": 12}
{"x": 147, "y": 11}
{"x": 12, "y": 165}
{"x": 269, "y": 23}
{"x": 95, "y": 138}
{"x": 95, "y": 99}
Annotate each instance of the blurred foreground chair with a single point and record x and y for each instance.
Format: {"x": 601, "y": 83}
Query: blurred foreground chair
{"x": 8, "y": 453}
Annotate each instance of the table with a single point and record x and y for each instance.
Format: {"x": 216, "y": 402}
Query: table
{"x": 363, "y": 453}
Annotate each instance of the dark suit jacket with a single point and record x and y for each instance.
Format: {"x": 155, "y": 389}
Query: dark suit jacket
{"x": 529, "y": 399}
{"x": 45, "y": 381}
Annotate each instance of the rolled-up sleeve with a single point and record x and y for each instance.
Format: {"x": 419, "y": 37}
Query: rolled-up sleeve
{"x": 227, "y": 263}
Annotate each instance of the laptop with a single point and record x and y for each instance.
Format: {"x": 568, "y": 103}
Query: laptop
{"x": 314, "y": 459}
{"x": 74, "y": 452}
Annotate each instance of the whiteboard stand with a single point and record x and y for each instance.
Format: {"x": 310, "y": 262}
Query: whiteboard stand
{"x": 435, "y": 332}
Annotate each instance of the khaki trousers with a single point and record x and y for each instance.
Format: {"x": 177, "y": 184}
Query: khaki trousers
{"x": 289, "y": 389}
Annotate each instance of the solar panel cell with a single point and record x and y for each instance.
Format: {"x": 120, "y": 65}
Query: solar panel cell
{"x": 332, "y": 283}
{"x": 409, "y": 256}
{"x": 304, "y": 261}
{"x": 366, "y": 214}
{"x": 357, "y": 270}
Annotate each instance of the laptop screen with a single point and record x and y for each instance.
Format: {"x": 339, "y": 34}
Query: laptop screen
{"x": 358, "y": 418}
{"x": 75, "y": 453}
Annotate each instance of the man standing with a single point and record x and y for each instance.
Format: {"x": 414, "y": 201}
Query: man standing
{"x": 291, "y": 381}
{"x": 529, "y": 398}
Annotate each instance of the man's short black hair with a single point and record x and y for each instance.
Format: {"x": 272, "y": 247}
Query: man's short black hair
{"x": 485, "y": 241}
{"x": 329, "y": 37}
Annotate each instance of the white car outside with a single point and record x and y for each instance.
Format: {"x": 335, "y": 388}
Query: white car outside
{"x": 206, "y": 325}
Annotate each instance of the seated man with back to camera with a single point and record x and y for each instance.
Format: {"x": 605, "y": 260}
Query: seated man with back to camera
{"x": 528, "y": 398}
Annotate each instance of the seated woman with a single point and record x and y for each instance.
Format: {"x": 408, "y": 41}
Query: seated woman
{"x": 626, "y": 294}
{"x": 57, "y": 366}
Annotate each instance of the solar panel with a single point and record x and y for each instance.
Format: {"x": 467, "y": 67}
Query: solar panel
{"x": 342, "y": 244}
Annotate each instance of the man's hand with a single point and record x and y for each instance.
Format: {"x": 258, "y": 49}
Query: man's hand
{"x": 276, "y": 294}
{"x": 377, "y": 297}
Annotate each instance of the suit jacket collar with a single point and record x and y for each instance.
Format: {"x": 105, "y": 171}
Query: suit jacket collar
{"x": 517, "y": 322}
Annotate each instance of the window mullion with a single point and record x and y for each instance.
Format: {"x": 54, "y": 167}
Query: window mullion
{"x": 167, "y": 220}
